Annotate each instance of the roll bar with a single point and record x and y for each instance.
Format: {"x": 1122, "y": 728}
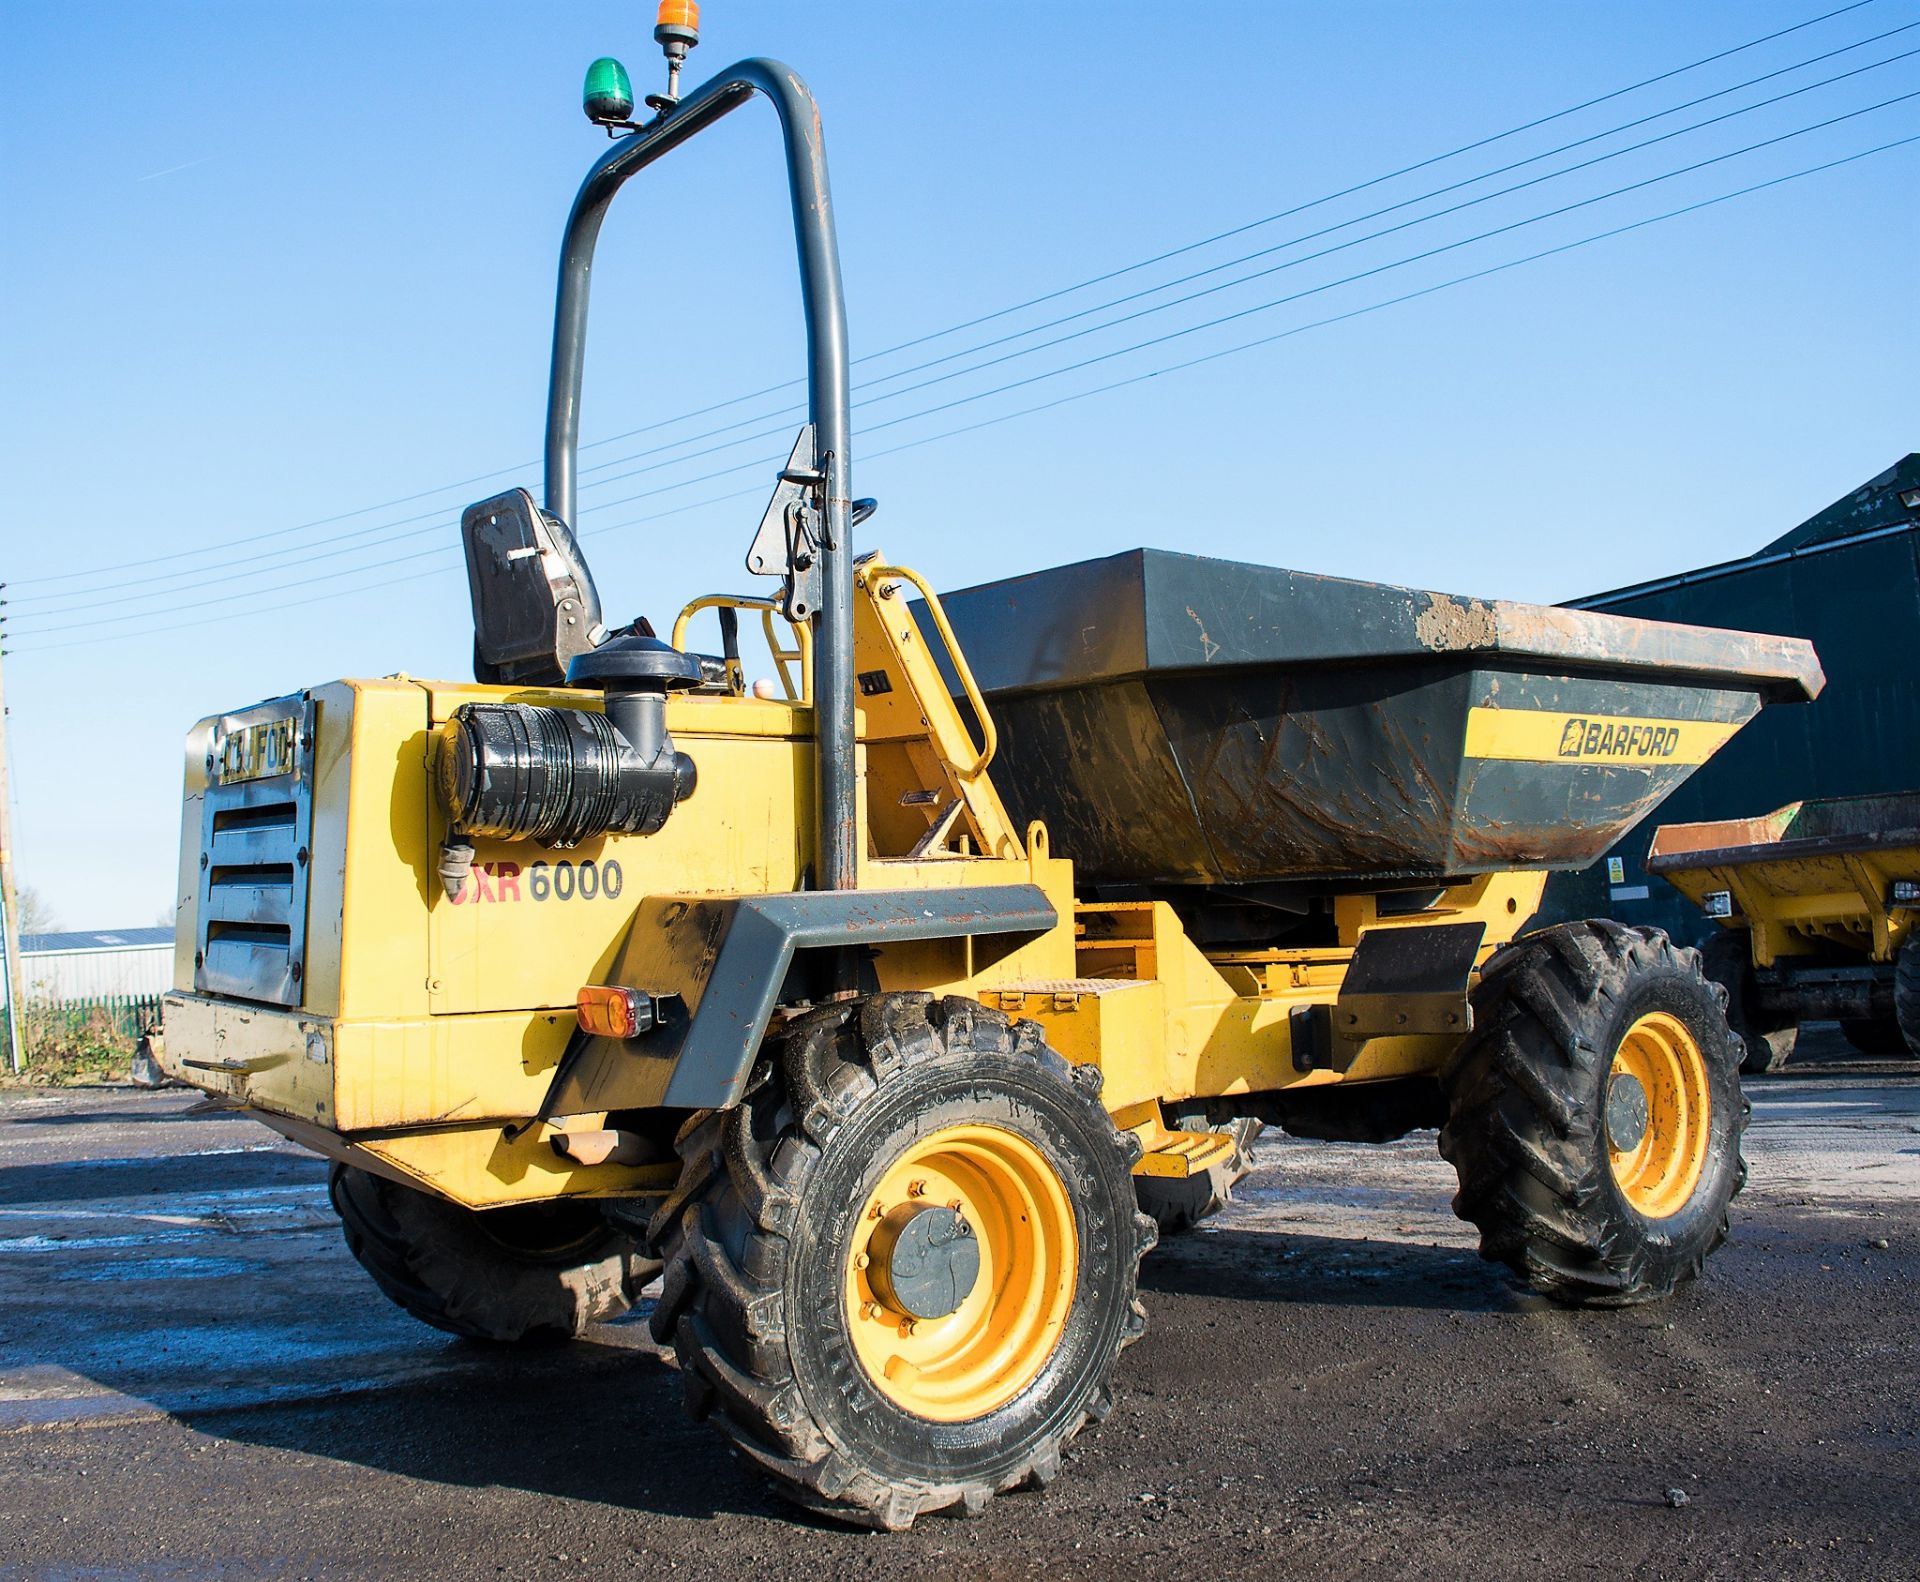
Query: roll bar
{"x": 827, "y": 390}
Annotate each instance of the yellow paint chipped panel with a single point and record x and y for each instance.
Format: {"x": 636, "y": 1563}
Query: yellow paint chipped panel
{"x": 357, "y": 1075}
{"x": 267, "y": 1059}
{"x": 483, "y": 1168}
{"x": 479, "y": 1166}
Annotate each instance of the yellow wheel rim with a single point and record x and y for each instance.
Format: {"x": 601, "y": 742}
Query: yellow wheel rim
{"x": 982, "y": 1354}
{"x": 1658, "y": 1170}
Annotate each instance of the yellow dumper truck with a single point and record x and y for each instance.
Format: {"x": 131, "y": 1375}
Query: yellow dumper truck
{"x": 887, "y": 1012}
{"x": 1815, "y": 905}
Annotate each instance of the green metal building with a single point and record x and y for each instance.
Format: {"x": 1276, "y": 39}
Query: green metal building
{"x": 1849, "y": 579}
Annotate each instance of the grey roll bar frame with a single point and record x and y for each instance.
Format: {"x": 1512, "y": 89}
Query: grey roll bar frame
{"x": 827, "y": 391}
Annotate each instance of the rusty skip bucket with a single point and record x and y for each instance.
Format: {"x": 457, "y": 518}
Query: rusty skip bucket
{"x": 1824, "y": 872}
{"x": 1180, "y": 720}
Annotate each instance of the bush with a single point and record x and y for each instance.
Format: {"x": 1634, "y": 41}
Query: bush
{"x": 67, "y": 1045}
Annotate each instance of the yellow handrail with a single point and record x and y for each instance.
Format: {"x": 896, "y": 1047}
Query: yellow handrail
{"x": 801, "y": 654}
{"x": 989, "y": 738}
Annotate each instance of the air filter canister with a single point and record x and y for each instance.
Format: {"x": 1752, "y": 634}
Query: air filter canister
{"x": 515, "y": 771}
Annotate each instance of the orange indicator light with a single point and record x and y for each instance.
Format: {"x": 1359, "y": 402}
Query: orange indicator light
{"x": 612, "y": 1012}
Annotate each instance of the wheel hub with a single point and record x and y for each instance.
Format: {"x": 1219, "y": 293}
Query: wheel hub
{"x": 1658, "y": 1115}
{"x": 962, "y": 1271}
{"x": 1627, "y": 1112}
{"x": 924, "y": 1260}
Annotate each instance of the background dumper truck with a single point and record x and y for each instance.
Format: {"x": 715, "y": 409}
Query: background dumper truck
{"x": 1814, "y": 906}
{"x": 889, "y": 1018}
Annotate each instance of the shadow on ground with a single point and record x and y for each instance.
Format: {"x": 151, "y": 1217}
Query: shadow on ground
{"x": 91, "y": 1180}
{"x": 590, "y": 1421}
{"x": 552, "y": 1420}
{"x": 1326, "y": 1271}
{"x": 214, "y": 1287}
{"x": 128, "y": 1117}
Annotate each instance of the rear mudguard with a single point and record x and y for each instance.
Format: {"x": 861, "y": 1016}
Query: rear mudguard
{"x": 715, "y": 967}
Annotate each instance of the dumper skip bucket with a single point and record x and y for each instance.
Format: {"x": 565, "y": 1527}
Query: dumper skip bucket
{"x": 1825, "y": 870}
{"x": 1179, "y": 720}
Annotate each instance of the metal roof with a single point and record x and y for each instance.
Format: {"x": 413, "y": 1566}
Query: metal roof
{"x": 95, "y": 939}
{"x": 1847, "y": 579}
{"x": 1877, "y": 509}
{"x": 1877, "y": 504}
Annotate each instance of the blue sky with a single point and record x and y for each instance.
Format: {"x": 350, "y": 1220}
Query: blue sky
{"x": 266, "y": 265}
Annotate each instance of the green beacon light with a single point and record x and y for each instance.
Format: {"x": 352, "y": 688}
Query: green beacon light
{"x": 608, "y": 95}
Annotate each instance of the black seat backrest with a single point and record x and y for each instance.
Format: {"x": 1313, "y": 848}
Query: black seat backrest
{"x": 534, "y": 603}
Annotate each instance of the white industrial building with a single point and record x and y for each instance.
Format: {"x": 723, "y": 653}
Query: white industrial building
{"x": 90, "y": 966}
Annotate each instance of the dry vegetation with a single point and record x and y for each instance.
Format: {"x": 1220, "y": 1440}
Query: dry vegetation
{"x": 68, "y": 1048}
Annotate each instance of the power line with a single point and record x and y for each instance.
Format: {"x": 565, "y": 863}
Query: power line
{"x": 787, "y": 413}
{"x": 1214, "y": 356}
{"x": 1373, "y": 236}
{"x": 1153, "y": 341}
{"x": 1410, "y": 296}
{"x": 1263, "y": 307}
{"x": 1405, "y": 170}
{"x": 368, "y": 587}
{"x": 1468, "y": 181}
{"x": 1300, "y": 208}
{"x": 306, "y": 554}
{"x": 1000, "y": 313}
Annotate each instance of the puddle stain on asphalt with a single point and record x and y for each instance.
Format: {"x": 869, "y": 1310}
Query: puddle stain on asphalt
{"x": 129, "y": 1271}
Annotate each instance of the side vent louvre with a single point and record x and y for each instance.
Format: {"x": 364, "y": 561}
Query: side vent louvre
{"x": 254, "y": 858}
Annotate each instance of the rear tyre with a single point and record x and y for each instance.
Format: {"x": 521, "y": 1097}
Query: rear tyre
{"x": 1595, "y": 1114}
{"x": 1906, "y": 994}
{"x": 535, "y": 1271}
{"x": 1176, "y": 1206}
{"x": 900, "y": 1271}
{"x": 1765, "y": 1044}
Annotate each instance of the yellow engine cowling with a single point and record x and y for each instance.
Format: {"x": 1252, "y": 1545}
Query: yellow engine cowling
{"x": 327, "y": 979}
{"x": 412, "y": 1006}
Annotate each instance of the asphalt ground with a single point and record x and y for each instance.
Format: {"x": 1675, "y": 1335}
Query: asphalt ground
{"x": 197, "y": 1381}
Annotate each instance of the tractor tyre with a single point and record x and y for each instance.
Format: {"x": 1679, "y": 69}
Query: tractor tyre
{"x": 1906, "y": 993}
{"x": 1765, "y": 1043}
{"x": 1176, "y": 1206}
{"x": 534, "y": 1271}
{"x": 1874, "y": 1035}
{"x": 1595, "y": 1113}
{"x": 900, "y": 1271}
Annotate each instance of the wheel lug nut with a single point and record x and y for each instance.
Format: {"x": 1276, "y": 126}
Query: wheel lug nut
{"x": 869, "y": 1309}
{"x": 918, "y": 1189}
{"x": 878, "y": 1211}
{"x": 861, "y": 1261}
{"x": 908, "y": 1327}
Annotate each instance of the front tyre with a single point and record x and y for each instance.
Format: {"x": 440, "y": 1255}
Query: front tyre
{"x": 1906, "y": 993}
{"x": 1766, "y": 1043}
{"x": 900, "y": 1272}
{"x": 1877, "y": 1035}
{"x": 1595, "y": 1113}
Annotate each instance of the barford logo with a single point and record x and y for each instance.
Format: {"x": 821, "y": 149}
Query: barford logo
{"x": 1617, "y": 739}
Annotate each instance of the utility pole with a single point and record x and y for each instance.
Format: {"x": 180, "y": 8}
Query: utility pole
{"x": 9, "y": 897}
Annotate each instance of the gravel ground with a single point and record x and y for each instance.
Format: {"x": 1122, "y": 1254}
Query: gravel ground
{"x": 197, "y": 1381}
